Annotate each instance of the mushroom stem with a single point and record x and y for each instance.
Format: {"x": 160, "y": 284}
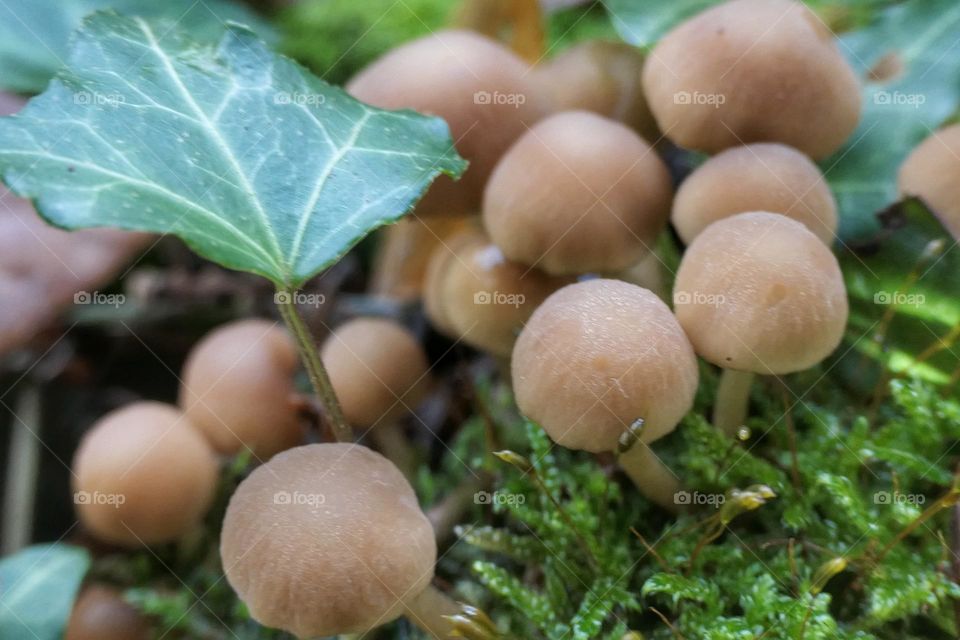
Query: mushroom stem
{"x": 733, "y": 395}
{"x": 652, "y": 477}
{"x": 429, "y": 611}
{"x": 332, "y": 413}
{"x": 447, "y": 513}
{"x": 395, "y": 447}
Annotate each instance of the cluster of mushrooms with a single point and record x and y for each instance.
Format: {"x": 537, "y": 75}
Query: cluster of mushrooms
{"x": 542, "y": 256}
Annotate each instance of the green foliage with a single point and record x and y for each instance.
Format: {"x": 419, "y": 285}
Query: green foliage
{"x": 37, "y": 589}
{"x": 270, "y": 170}
{"x": 34, "y": 33}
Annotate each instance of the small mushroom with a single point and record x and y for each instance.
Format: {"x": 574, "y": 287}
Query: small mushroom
{"x": 379, "y": 372}
{"x": 759, "y": 293}
{"x": 596, "y": 357}
{"x": 477, "y": 295}
{"x": 238, "y": 388}
{"x": 328, "y": 539}
{"x": 578, "y": 193}
{"x": 101, "y": 613}
{"x": 143, "y": 476}
{"x": 753, "y": 71}
{"x": 756, "y": 177}
{"x": 599, "y": 76}
{"x": 477, "y": 85}
{"x": 932, "y": 173}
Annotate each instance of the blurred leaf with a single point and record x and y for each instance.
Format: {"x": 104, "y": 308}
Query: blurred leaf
{"x": 37, "y": 589}
{"x": 643, "y": 22}
{"x": 255, "y": 163}
{"x": 34, "y": 33}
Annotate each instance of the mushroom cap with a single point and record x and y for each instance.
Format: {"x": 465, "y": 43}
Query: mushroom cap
{"x": 757, "y": 177}
{"x": 759, "y": 292}
{"x": 237, "y": 385}
{"x": 377, "y": 368}
{"x": 143, "y": 475}
{"x": 326, "y": 539}
{"x": 474, "y": 83}
{"x": 753, "y": 71}
{"x": 932, "y": 173}
{"x": 596, "y": 356}
{"x": 578, "y": 193}
{"x": 101, "y": 613}
{"x": 481, "y": 297}
{"x": 599, "y": 76}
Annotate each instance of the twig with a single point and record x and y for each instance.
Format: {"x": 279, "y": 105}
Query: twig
{"x": 22, "y": 471}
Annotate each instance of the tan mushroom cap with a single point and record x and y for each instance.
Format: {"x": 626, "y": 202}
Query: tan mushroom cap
{"x": 757, "y": 177}
{"x": 759, "y": 292}
{"x": 752, "y": 71}
{"x": 378, "y": 370}
{"x": 578, "y": 193}
{"x": 599, "y": 76}
{"x": 326, "y": 539}
{"x": 477, "y": 85}
{"x": 598, "y": 355}
{"x": 237, "y": 386}
{"x": 143, "y": 475}
{"x": 480, "y": 297}
{"x": 101, "y": 613}
{"x": 932, "y": 173}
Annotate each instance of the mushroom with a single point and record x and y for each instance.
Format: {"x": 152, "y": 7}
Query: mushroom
{"x": 101, "y": 613}
{"x": 759, "y": 293}
{"x": 756, "y": 177}
{"x": 478, "y": 86}
{"x": 932, "y": 173}
{"x": 328, "y": 539}
{"x": 753, "y": 71}
{"x": 143, "y": 475}
{"x": 379, "y": 372}
{"x": 477, "y": 295}
{"x": 238, "y": 388}
{"x": 597, "y": 357}
{"x": 578, "y": 193}
{"x": 599, "y": 76}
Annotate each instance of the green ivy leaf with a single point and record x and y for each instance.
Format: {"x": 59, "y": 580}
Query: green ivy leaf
{"x": 920, "y": 37}
{"x": 37, "y": 588}
{"x": 34, "y": 33}
{"x": 643, "y": 22}
{"x": 246, "y": 156}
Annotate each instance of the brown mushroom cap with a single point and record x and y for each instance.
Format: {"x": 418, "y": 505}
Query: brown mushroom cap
{"x": 377, "y": 368}
{"x": 759, "y": 292}
{"x": 326, "y": 539}
{"x": 757, "y": 177}
{"x": 143, "y": 475}
{"x": 752, "y": 71}
{"x": 478, "y": 86}
{"x": 481, "y": 297}
{"x": 577, "y": 193}
{"x": 101, "y": 613}
{"x": 602, "y": 77}
{"x": 237, "y": 387}
{"x": 932, "y": 173}
{"x": 598, "y": 355}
